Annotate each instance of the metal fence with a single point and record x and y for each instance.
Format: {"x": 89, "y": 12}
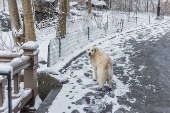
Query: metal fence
{"x": 59, "y": 48}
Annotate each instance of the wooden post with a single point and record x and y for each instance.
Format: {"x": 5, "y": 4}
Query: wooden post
{"x": 2, "y": 92}
{"x": 30, "y": 73}
{"x": 16, "y": 82}
{"x": 1, "y": 95}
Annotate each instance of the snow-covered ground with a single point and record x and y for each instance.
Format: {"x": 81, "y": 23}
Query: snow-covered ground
{"x": 80, "y": 95}
{"x": 80, "y": 92}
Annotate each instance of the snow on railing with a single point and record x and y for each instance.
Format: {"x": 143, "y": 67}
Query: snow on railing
{"x": 22, "y": 92}
{"x": 7, "y": 56}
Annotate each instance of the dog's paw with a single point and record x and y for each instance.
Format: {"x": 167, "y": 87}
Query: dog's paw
{"x": 109, "y": 89}
{"x": 94, "y": 80}
{"x": 99, "y": 89}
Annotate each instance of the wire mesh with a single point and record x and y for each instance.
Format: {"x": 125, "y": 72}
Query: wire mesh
{"x": 74, "y": 40}
{"x": 53, "y": 52}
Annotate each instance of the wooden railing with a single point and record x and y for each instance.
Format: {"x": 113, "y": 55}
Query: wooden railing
{"x": 21, "y": 94}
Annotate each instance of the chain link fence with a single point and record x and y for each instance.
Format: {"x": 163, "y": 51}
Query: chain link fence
{"x": 59, "y": 48}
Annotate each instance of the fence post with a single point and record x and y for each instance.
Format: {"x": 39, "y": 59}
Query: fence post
{"x": 2, "y": 91}
{"x": 7, "y": 71}
{"x": 59, "y": 46}
{"x": 16, "y": 82}
{"x": 107, "y": 22}
{"x": 30, "y": 73}
{"x": 122, "y": 24}
{"x": 48, "y": 57}
{"x": 88, "y": 30}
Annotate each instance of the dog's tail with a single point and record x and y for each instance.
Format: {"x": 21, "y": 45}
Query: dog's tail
{"x": 110, "y": 75}
{"x": 110, "y": 70}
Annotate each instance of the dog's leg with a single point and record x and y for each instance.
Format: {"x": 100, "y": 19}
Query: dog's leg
{"x": 110, "y": 75}
{"x": 101, "y": 82}
{"x": 110, "y": 81}
{"x": 110, "y": 84}
{"x": 101, "y": 77}
{"x": 95, "y": 74}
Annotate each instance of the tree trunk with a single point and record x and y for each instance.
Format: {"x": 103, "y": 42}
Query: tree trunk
{"x": 110, "y": 4}
{"x": 147, "y": 6}
{"x": 62, "y": 17}
{"x": 158, "y": 9}
{"x": 4, "y": 4}
{"x": 129, "y": 6}
{"x": 55, "y": 3}
{"x": 14, "y": 15}
{"x": 68, "y": 6}
{"x": 166, "y": 6}
{"x": 15, "y": 20}
{"x": 28, "y": 20}
{"x": 153, "y": 6}
{"x": 107, "y": 3}
{"x": 89, "y": 6}
{"x": 125, "y": 5}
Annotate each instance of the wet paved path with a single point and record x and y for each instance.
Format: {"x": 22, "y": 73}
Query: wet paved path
{"x": 153, "y": 93}
{"x": 141, "y": 81}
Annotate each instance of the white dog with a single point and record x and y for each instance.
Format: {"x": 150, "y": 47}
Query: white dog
{"x": 102, "y": 66}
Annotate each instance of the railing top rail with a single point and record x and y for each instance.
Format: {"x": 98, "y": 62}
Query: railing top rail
{"x": 18, "y": 60}
{"x": 5, "y": 69}
{"x": 7, "y": 54}
{"x": 21, "y": 63}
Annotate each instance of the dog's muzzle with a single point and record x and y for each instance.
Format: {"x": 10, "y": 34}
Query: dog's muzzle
{"x": 89, "y": 54}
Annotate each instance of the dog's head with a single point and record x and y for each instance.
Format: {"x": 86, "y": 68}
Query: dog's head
{"x": 90, "y": 51}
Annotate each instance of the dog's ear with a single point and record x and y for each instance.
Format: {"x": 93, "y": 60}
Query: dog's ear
{"x": 95, "y": 49}
{"x": 87, "y": 49}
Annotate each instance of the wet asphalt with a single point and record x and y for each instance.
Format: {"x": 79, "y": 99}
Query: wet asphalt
{"x": 153, "y": 93}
